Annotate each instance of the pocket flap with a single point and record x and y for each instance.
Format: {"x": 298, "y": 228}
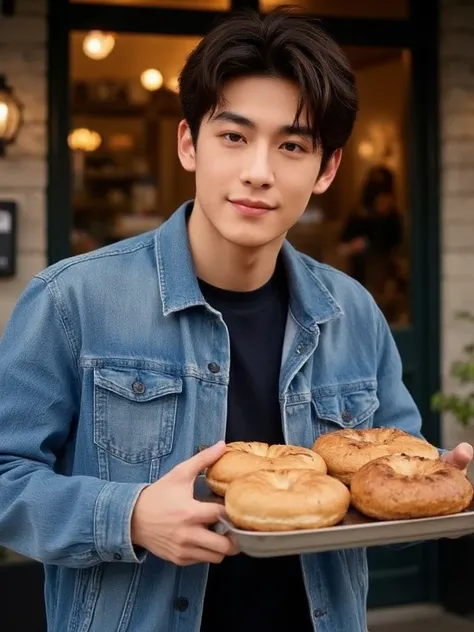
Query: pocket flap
{"x": 347, "y": 407}
{"x": 137, "y": 385}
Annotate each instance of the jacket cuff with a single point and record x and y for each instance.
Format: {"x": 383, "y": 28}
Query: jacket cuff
{"x": 112, "y": 523}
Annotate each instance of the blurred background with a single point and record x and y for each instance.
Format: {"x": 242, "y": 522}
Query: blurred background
{"x": 88, "y": 117}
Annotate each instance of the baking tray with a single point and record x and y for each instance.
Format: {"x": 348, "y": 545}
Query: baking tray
{"x": 354, "y": 531}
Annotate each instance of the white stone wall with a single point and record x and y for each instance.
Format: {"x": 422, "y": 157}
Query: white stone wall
{"x": 457, "y": 189}
{"x": 23, "y": 172}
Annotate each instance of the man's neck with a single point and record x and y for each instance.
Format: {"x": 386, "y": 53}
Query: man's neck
{"x": 225, "y": 265}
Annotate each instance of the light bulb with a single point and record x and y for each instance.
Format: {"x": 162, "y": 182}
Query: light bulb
{"x": 151, "y": 79}
{"x": 3, "y": 117}
{"x": 82, "y": 139}
{"x": 98, "y": 45}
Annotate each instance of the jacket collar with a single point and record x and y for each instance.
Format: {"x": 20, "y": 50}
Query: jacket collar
{"x": 310, "y": 300}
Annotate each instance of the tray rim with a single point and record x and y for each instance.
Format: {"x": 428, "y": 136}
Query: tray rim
{"x": 377, "y": 525}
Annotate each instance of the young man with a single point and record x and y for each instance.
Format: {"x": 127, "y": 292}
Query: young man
{"x": 117, "y": 365}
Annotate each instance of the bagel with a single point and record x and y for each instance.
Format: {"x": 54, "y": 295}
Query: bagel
{"x": 346, "y": 451}
{"x": 286, "y": 500}
{"x": 400, "y": 487}
{"x": 242, "y": 457}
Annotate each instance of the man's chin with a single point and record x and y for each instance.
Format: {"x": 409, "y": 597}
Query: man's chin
{"x": 249, "y": 241}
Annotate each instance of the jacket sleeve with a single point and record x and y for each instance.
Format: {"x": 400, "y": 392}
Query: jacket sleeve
{"x": 76, "y": 521}
{"x": 397, "y": 408}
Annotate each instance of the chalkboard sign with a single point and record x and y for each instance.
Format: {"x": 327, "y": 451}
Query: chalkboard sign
{"x": 8, "y": 211}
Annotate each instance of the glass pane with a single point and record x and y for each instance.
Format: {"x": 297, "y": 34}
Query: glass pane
{"x": 393, "y": 9}
{"x": 361, "y": 225}
{"x": 126, "y": 174}
{"x": 197, "y": 5}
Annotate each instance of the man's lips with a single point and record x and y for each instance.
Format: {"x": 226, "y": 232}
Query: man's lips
{"x": 252, "y": 208}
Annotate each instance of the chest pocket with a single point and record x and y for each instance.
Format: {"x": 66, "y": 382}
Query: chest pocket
{"x": 135, "y": 412}
{"x": 345, "y": 406}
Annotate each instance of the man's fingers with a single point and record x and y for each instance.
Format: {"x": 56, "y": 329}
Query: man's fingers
{"x": 191, "y": 468}
{"x": 220, "y": 544}
{"x": 197, "y": 555}
{"x": 207, "y": 512}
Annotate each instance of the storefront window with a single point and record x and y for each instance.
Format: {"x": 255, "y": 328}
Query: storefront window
{"x": 124, "y": 116}
{"x": 196, "y": 5}
{"x": 127, "y": 178}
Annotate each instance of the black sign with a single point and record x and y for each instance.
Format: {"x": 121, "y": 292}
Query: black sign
{"x": 7, "y": 238}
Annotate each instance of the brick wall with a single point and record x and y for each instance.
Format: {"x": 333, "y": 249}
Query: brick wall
{"x": 457, "y": 187}
{"x": 23, "y": 172}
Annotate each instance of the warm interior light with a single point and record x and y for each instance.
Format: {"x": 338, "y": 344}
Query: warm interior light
{"x": 98, "y": 45}
{"x": 151, "y": 79}
{"x": 3, "y": 118}
{"x": 82, "y": 139}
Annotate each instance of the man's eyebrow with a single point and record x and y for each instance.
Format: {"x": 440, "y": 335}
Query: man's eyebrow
{"x": 239, "y": 119}
{"x": 233, "y": 117}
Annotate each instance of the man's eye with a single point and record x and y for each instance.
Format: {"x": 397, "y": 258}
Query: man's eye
{"x": 293, "y": 147}
{"x": 233, "y": 137}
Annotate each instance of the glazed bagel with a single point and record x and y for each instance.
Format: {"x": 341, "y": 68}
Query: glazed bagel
{"x": 346, "y": 451}
{"x": 242, "y": 457}
{"x": 286, "y": 500}
{"x": 400, "y": 487}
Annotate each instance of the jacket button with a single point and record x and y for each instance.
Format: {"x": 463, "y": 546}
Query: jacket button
{"x": 213, "y": 367}
{"x": 318, "y": 613}
{"x": 346, "y": 415}
{"x": 117, "y": 556}
{"x": 138, "y": 387}
{"x": 181, "y": 604}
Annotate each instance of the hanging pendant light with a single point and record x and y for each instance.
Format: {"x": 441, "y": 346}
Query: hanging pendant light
{"x": 98, "y": 45}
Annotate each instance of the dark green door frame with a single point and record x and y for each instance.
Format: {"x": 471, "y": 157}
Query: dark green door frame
{"x": 419, "y": 343}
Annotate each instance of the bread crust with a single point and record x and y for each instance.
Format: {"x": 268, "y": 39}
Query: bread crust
{"x": 346, "y": 451}
{"x": 401, "y": 487}
{"x": 286, "y": 500}
{"x": 242, "y": 457}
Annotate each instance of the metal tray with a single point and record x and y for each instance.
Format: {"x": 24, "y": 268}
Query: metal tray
{"x": 354, "y": 531}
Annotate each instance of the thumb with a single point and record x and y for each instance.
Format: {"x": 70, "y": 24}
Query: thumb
{"x": 460, "y": 457}
{"x": 191, "y": 468}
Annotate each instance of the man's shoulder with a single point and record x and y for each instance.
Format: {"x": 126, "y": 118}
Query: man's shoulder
{"x": 111, "y": 257}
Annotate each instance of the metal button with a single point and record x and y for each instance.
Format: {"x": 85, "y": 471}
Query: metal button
{"x": 318, "y": 613}
{"x": 213, "y": 367}
{"x": 117, "y": 556}
{"x": 181, "y": 604}
{"x": 346, "y": 415}
{"x": 138, "y": 387}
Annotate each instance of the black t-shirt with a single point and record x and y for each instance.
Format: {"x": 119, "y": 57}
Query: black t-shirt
{"x": 246, "y": 594}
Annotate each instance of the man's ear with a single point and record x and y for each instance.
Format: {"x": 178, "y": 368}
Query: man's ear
{"x": 186, "y": 149}
{"x": 325, "y": 179}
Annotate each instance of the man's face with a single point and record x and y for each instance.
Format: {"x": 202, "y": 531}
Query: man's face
{"x": 255, "y": 171}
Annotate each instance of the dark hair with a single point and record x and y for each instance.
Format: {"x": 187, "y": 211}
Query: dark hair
{"x": 284, "y": 43}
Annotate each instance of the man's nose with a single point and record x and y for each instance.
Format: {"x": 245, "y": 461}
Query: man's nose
{"x": 258, "y": 171}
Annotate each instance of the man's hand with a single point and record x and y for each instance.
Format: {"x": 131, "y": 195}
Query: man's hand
{"x": 169, "y": 522}
{"x": 460, "y": 457}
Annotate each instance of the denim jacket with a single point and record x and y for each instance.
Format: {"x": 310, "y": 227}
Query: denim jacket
{"x": 108, "y": 380}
